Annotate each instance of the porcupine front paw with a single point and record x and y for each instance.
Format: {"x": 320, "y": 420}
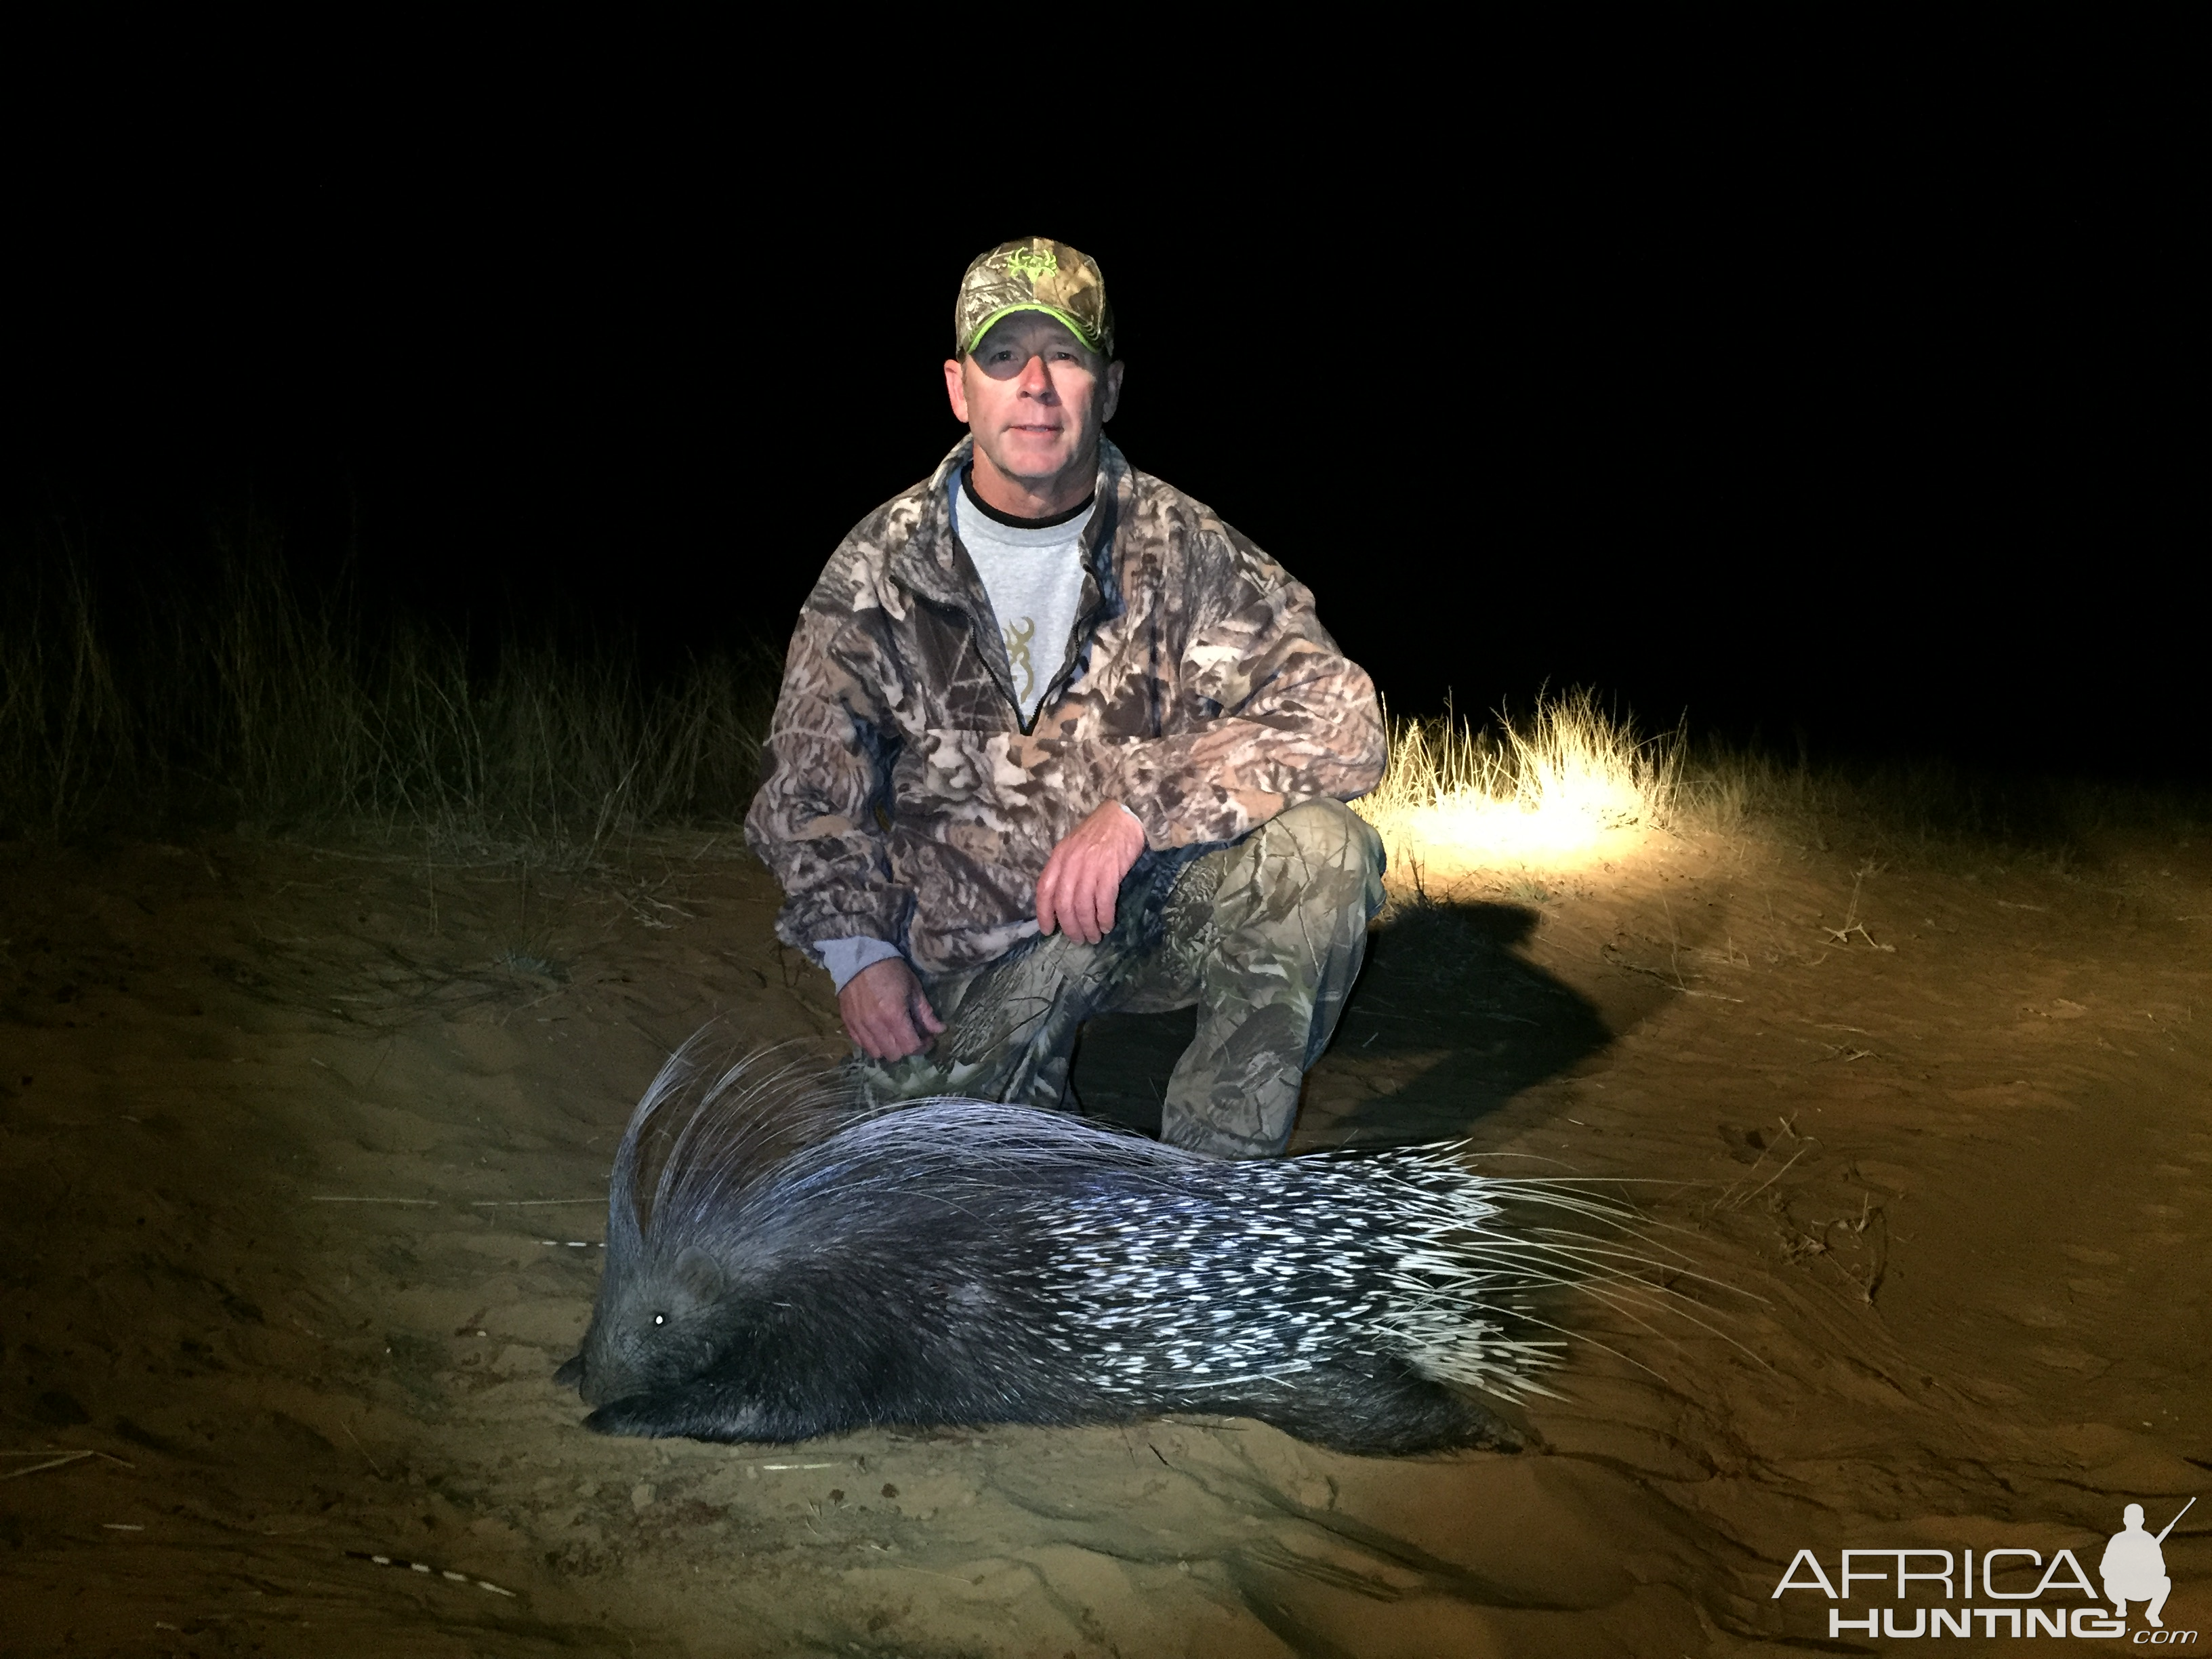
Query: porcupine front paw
{"x": 655, "y": 1417}
{"x": 699, "y": 1411}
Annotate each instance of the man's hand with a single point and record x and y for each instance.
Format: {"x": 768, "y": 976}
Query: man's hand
{"x": 883, "y": 1006}
{"x": 1077, "y": 890}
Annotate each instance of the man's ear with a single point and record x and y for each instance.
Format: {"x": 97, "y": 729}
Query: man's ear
{"x": 956, "y": 388}
{"x": 1110, "y": 399}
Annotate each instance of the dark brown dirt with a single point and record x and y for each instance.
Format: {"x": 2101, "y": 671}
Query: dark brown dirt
{"x": 302, "y": 1166}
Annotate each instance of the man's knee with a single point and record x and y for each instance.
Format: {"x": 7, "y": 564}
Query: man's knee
{"x": 1330, "y": 845}
{"x": 1326, "y": 828}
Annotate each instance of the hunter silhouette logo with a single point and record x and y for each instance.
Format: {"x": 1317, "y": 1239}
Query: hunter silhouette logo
{"x": 2134, "y": 1567}
{"x": 1031, "y": 263}
{"x": 2063, "y": 1602}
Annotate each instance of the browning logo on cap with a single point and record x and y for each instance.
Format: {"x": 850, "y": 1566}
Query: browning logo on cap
{"x": 1035, "y": 274}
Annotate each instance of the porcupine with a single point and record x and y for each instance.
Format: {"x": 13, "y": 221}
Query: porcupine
{"x": 956, "y": 1261}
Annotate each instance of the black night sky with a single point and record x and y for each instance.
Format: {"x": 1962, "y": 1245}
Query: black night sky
{"x": 1866, "y": 419}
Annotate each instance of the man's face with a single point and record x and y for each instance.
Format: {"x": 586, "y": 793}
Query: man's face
{"x": 1034, "y": 397}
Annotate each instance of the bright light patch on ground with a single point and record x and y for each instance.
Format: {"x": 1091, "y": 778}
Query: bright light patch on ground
{"x": 1568, "y": 787}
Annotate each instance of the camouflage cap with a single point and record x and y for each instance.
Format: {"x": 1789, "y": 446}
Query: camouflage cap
{"x": 1034, "y": 274}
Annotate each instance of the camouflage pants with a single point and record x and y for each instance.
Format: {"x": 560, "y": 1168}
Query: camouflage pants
{"x": 1264, "y": 935}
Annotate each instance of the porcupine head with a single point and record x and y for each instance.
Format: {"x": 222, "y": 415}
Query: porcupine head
{"x": 662, "y": 1314}
{"x": 653, "y": 1327}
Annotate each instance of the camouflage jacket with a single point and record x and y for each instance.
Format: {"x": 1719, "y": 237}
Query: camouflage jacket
{"x": 904, "y": 801}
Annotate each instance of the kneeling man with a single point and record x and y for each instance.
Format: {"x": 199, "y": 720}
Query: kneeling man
{"x": 1054, "y": 740}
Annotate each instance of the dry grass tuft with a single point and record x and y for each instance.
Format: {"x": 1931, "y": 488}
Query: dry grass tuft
{"x": 1569, "y": 782}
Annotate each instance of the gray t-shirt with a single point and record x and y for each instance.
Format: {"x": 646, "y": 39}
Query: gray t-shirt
{"x": 1035, "y": 581}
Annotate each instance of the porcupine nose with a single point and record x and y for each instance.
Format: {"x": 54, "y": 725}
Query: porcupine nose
{"x": 610, "y": 1374}
{"x": 588, "y": 1375}
{"x": 594, "y": 1387}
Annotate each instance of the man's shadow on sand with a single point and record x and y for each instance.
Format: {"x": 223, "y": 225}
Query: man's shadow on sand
{"x": 1448, "y": 1023}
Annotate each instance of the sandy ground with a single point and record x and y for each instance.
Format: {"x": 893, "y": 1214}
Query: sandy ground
{"x": 302, "y": 1166}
